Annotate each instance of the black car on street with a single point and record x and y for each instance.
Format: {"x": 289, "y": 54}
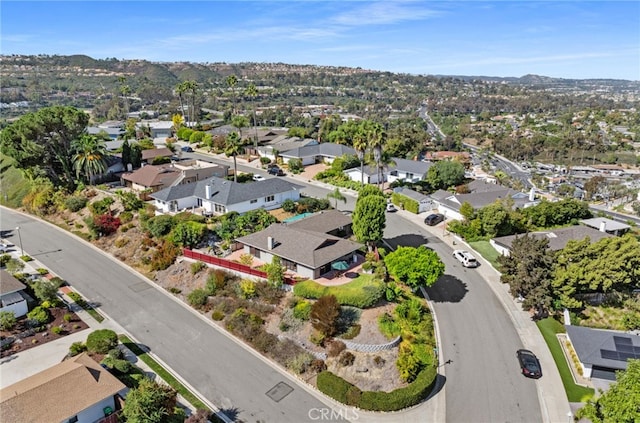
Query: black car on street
{"x": 529, "y": 364}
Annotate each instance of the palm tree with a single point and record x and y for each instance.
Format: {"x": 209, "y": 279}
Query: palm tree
{"x": 89, "y": 157}
{"x": 360, "y": 145}
{"x": 337, "y": 195}
{"x": 192, "y": 88}
{"x": 232, "y": 81}
{"x": 252, "y": 92}
{"x": 239, "y": 122}
{"x": 232, "y": 148}
{"x": 376, "y": 135}
{"x": 181, "y": 88}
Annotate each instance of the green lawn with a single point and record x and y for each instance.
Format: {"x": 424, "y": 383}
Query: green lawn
{"x": 13, "y": 183}
{"x": 549, "y": 327}
{"x": 163, "y": 373}
{"x": 485, "y": 249}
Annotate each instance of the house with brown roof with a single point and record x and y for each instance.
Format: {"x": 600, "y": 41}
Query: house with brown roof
{"x": 11, "y": 297}
{"x": 76, "y": 390}
{"x": 152, "y": 153}
{"x": 157, "y": 177}
{"x": 308, "y": 253}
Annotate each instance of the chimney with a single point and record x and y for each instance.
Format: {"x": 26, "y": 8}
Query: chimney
{"x": 532, "y": 194}
{"x": 270, "y": 243}
{"x": 603, "y": 226}
{"x": 207, "y": 192}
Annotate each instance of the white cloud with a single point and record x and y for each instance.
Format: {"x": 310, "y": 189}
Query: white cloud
{"x": 384, "y": 13}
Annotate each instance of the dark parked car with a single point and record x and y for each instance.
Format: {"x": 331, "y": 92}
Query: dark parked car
{"x": 434, "y": 219}
{"x": 276, "y": 171}
{"x": 529, "y": 364}
{"x": 187, "y": 149}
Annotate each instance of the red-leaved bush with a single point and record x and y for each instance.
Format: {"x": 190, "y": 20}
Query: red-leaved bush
{"x": 107, "y": 224}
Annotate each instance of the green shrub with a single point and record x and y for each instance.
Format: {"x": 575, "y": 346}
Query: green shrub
{"x": 352, "y": 332}
{"x": 14, "y": 265}
{"x": 4, "y": 259}
{"x": 388, "y": 326}
{"x": 197, "y": 298}
{"x": 302, "y": 310}
{"x": 42, "y": 271}
{"x": 75, "y": 203}
{"x": 101, "y": 341}
{"x": 7, "y": 320}
{"x": 247, "y": 289}
{"x": 26, "y": 258}
{"x": 217, "y": 315}
{"x": 101, "y": 206}
{"x": 300, "y": 363}
{"x": 289, "y": 205}
{"x": 77, "y": 348}
{"x": 126, "y": 217}
{"x": 346, "y": 393}
{"x": 360, "y": 294}
{"x": 405, "y": 202}
{"x": 57, "y": 330}
{"x": 197, "y": 267}
{"x": 39, "y": 315}
{"x": 402, "y": 397}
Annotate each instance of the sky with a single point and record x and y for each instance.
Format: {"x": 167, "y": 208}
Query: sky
{"x": 564, "y": 39}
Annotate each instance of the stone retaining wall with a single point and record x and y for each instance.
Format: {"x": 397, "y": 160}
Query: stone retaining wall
{"x": 371, "y": 348}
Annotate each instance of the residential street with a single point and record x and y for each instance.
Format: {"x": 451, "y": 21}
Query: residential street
{"x": 225, "y": 373}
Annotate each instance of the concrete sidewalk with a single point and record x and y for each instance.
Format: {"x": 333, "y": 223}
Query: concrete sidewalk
{"x": 554, "y": 404}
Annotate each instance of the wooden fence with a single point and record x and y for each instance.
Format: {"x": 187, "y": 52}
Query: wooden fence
{"x": 231, "y": 265}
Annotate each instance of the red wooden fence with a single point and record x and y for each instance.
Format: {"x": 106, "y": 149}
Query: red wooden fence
{"x": 228, "y": 264}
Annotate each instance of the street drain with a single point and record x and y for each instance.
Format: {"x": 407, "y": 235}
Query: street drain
{"x": 279, "y": 391}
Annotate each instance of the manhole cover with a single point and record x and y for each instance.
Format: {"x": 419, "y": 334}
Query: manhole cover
{"x": 279, "y": 391}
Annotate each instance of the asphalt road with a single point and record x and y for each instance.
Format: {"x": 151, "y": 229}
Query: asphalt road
{"x": 483, "y": 380}
{"x": 201, "y": 354}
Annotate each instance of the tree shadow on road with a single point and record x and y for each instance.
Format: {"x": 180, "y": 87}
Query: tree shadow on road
{"x": 448, "y": 289}
{"x": 230, "y": 413}
{"x": 413, "y": 240}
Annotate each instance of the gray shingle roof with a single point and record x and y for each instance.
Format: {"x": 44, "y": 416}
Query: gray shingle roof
{"x": 324, "y": 149}
{"x": 558, "y": 238}
{"x": 415, "y": 195}
{"x": 411, "y": 166}
{"x": 311, "y": 249}
{"x": 589, "y": 342}
{"x": 226, "y": 192}
{"x": 323, "y": 222}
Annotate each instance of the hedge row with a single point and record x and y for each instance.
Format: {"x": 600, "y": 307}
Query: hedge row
{"x": 361, "y": 295}
{"x": 405, "y": 202}
{"x": 401, "y": 398}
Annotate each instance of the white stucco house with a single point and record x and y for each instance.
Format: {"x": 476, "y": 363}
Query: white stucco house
{"x": 217, "y": 196}
{"x": 407, "y": 170}
{"x": 11, "y": 298}
{"x": 317, "y": 153}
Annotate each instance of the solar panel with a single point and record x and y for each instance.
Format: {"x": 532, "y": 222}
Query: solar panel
{"x": 609, "y": 355}
{"x": 624, "y": 348}
{"x": 619, "y": 340}
{"x": 624, "y": 356}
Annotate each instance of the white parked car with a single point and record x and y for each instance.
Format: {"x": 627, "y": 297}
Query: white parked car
{"x": 3, "y": 247}
{"x": 391, "y": 208}
{"x": 258, "y": 178}
{"x": 466, "y": 258}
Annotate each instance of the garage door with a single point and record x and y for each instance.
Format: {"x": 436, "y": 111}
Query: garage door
{"x": 603, "y": 373}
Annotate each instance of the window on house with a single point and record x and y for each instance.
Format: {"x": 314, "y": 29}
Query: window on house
{"x": 220, "y": 208}
{"x": 253, "y": 201}
{"x": 288, "y": 264}
{"x": 270, "y": 198}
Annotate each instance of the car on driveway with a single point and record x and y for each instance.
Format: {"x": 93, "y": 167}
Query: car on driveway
{"x": 466, "y": 258}
{"x": 391, "y": 208}
{"x": 434, "y": 219}
{"x": 529, "y": 364}
{"x": 258, "y": 178}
